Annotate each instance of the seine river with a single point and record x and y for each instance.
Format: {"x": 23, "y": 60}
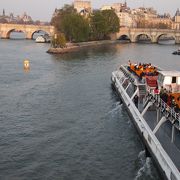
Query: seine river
{"x": 62, "y": 121}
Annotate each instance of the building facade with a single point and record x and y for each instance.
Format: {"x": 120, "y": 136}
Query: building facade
{"x": 176, "y": 23}
{"x": 123, "y": 13}
{"x": 24, "y": 19}
{"x": 143, "y": 17}
{"x": 82, "y": 6}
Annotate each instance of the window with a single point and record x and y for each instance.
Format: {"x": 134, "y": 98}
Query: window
{"x": 178, "y": 81}
{"x": 159, "y": 77}
{"x": 162, "y": 79}
{"x": 173, "y": 79}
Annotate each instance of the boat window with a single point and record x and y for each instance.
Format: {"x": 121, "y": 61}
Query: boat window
{"x": 160, "y": 77}
{"x": 178, "y": 80}
{"x": 173, "y": 79}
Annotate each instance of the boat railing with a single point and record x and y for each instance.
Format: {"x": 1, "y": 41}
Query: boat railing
{"x": 127, "y": 74}
{"x": 161, "y": 155}
{"x": 168, "y": 111}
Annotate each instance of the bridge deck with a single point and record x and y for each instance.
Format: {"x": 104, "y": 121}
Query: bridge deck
{"x": 152, "y": 34}
{"x": 29, "y": 30}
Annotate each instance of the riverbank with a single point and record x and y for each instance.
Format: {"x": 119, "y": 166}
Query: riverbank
{"x": 71, "y": 47}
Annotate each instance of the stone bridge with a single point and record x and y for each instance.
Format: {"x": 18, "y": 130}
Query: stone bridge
{"x": 133, "y": 34}
{"x": 28, "y": 30}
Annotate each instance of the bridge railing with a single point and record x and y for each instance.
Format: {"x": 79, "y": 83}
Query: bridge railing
{"x": 149, "y": 29}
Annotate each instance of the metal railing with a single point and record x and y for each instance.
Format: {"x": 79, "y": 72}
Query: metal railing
{"x": 164, "y": 160}
{"x": 127, "y": 74}
{"x": 168, "y": 111}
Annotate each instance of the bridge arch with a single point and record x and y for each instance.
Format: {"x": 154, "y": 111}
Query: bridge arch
{"x": 152, "y": 34}
{"x": 6, "y": 29}
{"x": 125, "y": 37}
{"x": 168, "y": 35}
{"x": 40, "y": 32}
{"x": 143, "y": 37}
{"x": 8, "y": 33}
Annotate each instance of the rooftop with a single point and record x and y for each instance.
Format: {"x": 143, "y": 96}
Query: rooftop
{"x": 170, "y": 73}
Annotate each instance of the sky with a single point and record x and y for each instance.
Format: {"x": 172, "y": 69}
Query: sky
{"x": 43, "y": 9}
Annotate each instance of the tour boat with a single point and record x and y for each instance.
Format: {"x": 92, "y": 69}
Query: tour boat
{"x": 152, "y": 99}
{"x": 43, "y": 39}
{"x": 40, "y": 39}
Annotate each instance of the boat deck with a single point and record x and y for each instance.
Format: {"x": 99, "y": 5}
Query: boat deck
{"x": 157, "y": 123}
{"x": 164, "y": 137}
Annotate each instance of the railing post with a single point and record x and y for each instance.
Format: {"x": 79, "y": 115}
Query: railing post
{"x": 172, "y": 135}
{"x": 162, "y": 121}
{"x": 158, "y": 114}
{"x": 128, "y": 86}
{"x": 146, "y": 108}
{"x": 124, "y": 80}
{"x": 135, "y": 93}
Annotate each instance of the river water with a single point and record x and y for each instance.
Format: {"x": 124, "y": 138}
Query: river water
{"x": 61, "y": 120}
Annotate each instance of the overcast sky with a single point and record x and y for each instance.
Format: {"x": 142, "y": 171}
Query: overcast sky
{"x": 43, "y": 9}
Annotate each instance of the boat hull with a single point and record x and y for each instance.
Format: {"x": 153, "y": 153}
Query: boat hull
{"x": 162, "y": 160}
{"x": 144, "y": 141}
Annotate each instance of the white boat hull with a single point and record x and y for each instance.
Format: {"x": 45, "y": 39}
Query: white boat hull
{"x": 168, "y": 169}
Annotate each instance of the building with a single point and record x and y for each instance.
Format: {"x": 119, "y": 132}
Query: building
{"x": 148, "y": 18}
{"x": 106, "y": 7}
{"x": 177, "y": 16}
{"x": 126, "y": 19}
{"x": 3, "y": 17}
{"x": 82, "y": 6}
{"x": 123, "y": 12}
{"x": 118, "y": 7}
{"x": 24, "y": 19}
{"x": 176, "y": 20}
